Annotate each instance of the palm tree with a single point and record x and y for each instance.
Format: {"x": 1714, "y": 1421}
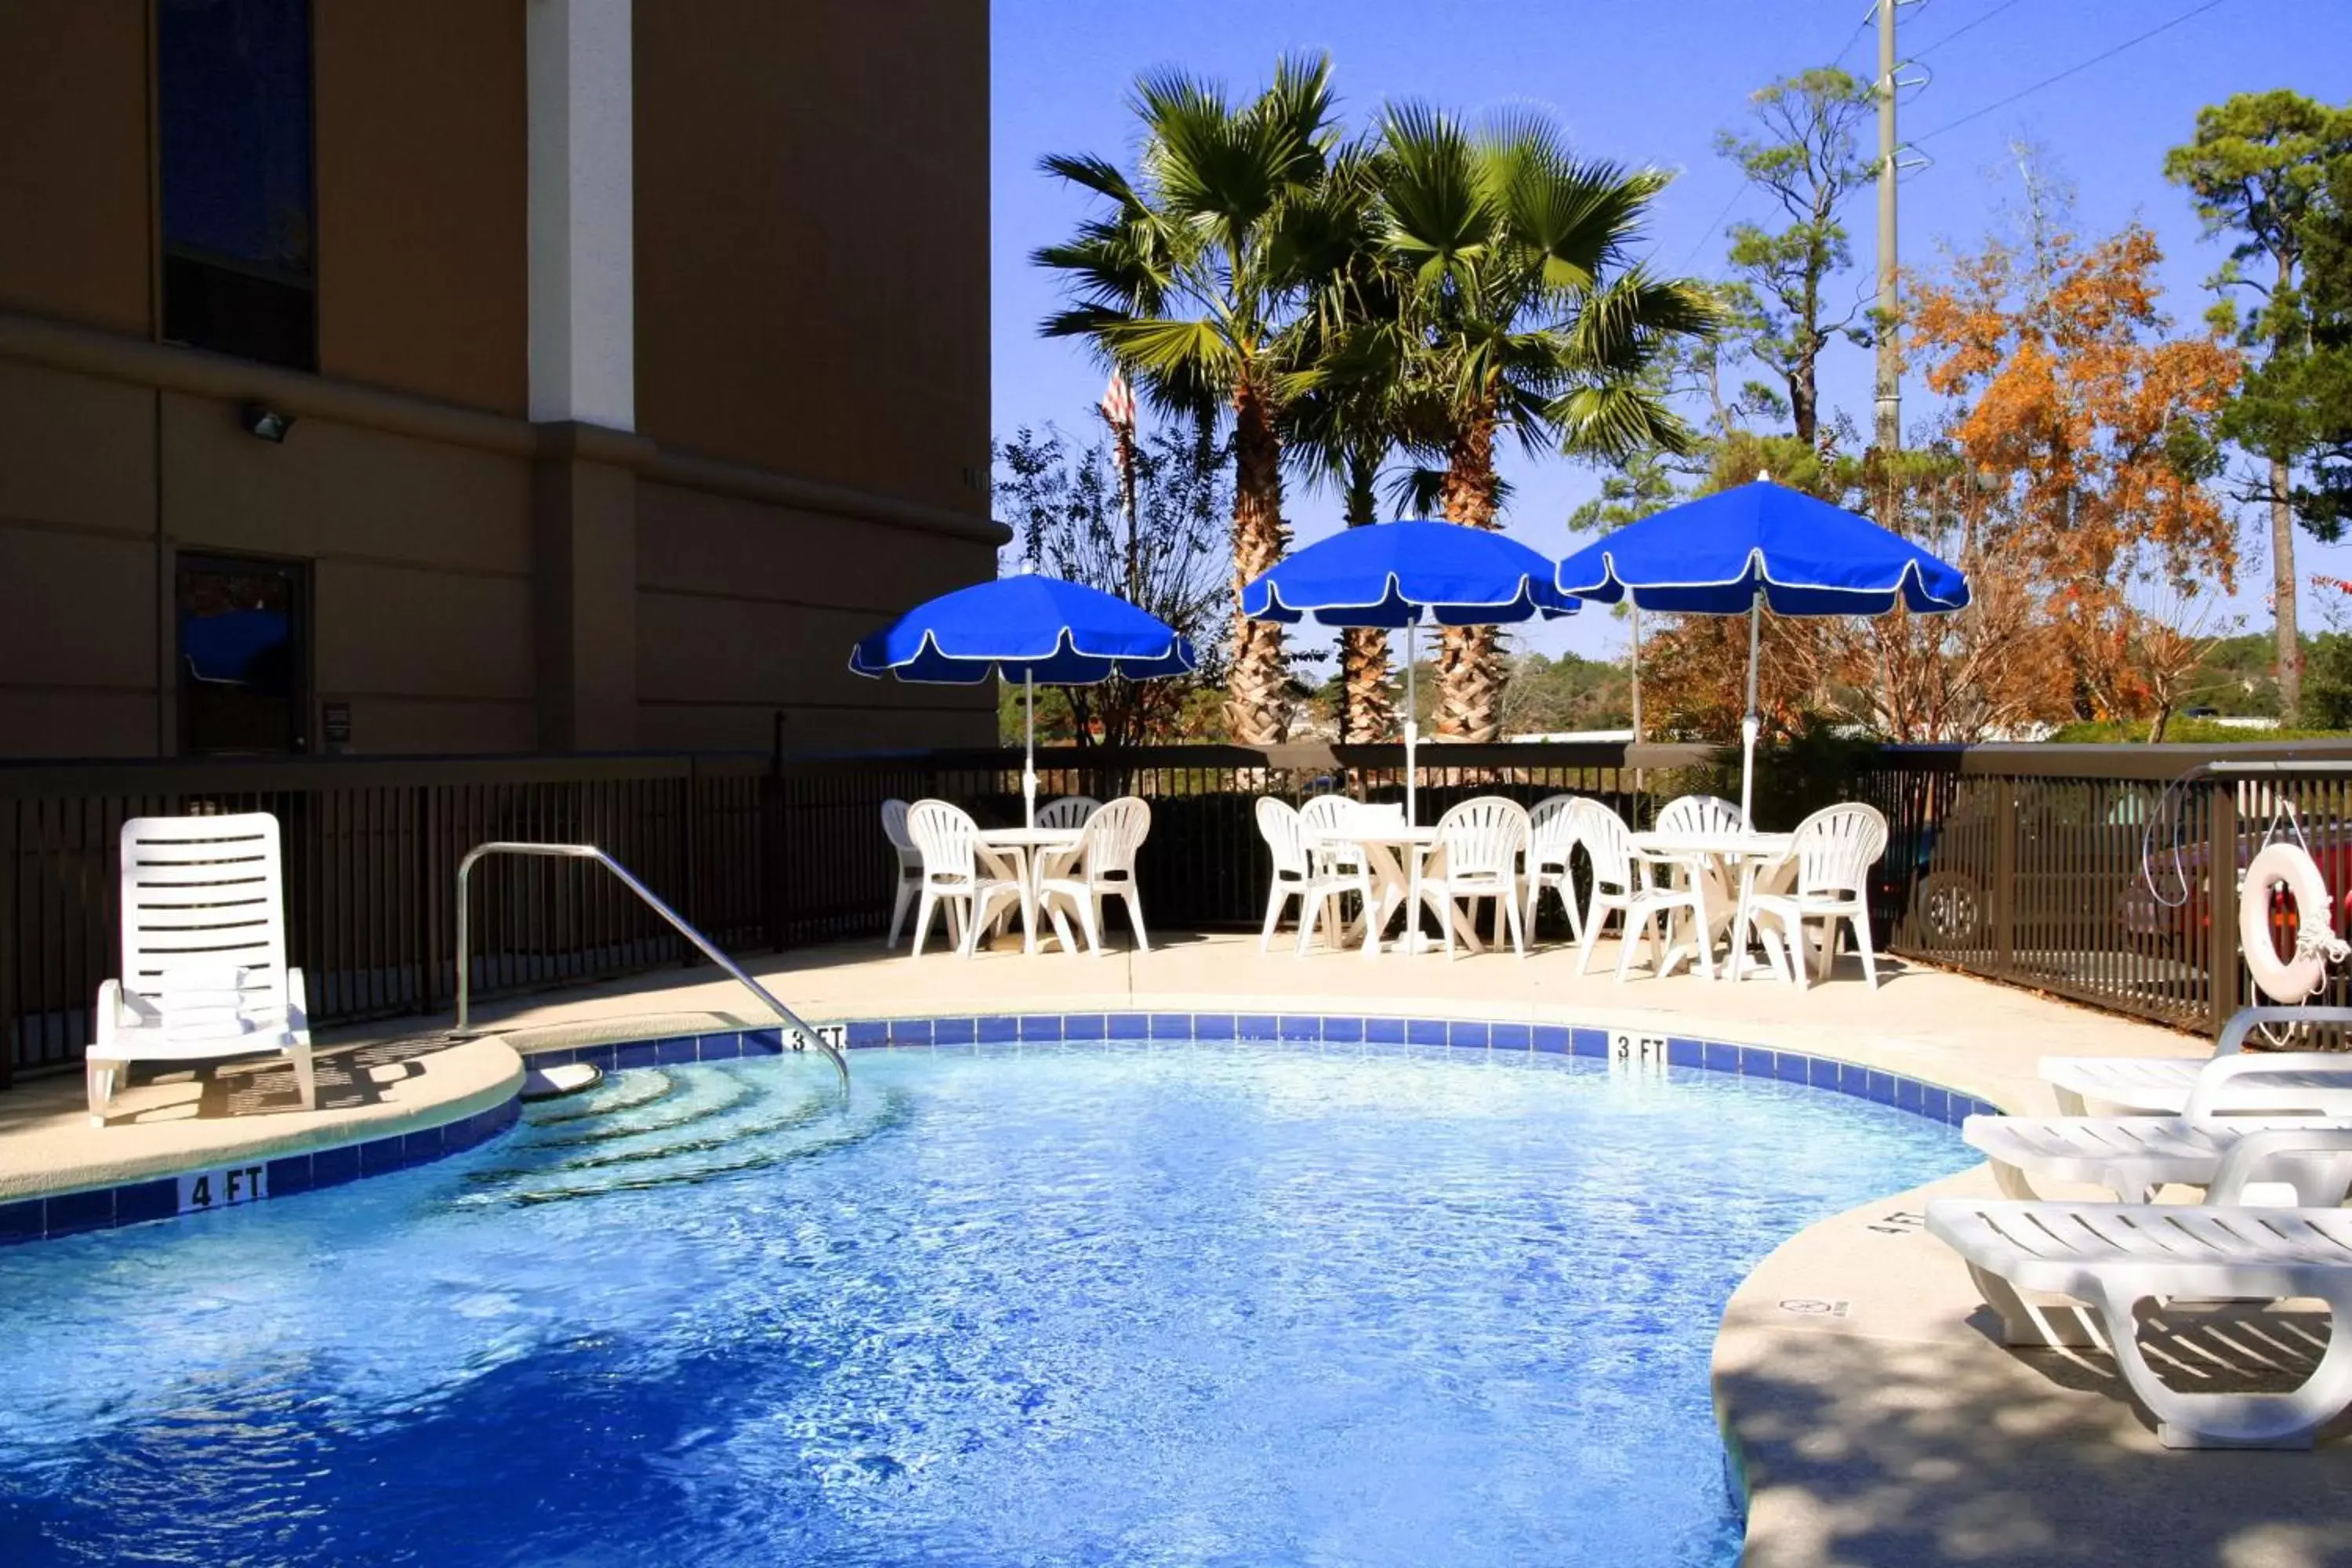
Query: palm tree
{"x": 1346, "y": 411}
{"x": 1526, "y": 320}
{"x": 1191, "y": 283}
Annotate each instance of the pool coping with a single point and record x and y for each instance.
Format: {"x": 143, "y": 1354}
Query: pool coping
{"x": 282, "y": 1154}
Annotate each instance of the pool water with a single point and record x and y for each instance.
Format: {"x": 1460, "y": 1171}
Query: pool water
{"x": 1191, "y": 1303}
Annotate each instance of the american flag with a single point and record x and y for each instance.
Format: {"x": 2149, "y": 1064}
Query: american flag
{"x": 1118, "y": 405}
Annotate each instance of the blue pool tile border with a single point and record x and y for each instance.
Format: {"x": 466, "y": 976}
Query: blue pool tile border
{"x": 136, "y": 1203}
{"x": 1896, "y": 1091}
{"x": 158, "y": 1197}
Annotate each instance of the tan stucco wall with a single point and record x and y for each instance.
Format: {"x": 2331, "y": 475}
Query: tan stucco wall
{"x": 830, "y": 159}
{"x": 73, "y": 161}
{"x": 745, "y": 608}
{"x": 77, "y": 607}
{"x": 421, "y": 559}
{"x": 422, "y": 180}
{"x": 812, "y": 211}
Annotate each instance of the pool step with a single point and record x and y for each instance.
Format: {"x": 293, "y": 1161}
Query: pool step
{"x": 656, "y": 1127}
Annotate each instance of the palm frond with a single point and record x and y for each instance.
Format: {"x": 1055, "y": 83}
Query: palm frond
{"x": 1413, "y": 490}
{"x": 1616, "y": 419}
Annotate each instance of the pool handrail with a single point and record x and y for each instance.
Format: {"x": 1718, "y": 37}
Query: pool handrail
{"x": 791, "y": 1020}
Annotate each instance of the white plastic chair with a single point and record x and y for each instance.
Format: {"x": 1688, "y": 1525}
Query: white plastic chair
{"x": 204, "y": 975}
{"x": 957, "y": 871}
{"x": 1476, "y": 856}
{"x": 1705, "y": 813}
{"x": 1658, "y": 890}
{"x": 1294, "y": 869}
{"x": 1069, "y": 811}
{"x": 1551, "y": 842}
{"x": 1103, "y": 868}
{"x": 1833, "y": 850}
{"x": 1334, "y": 869}
{"x": 1609, "y": 844}
{"x": 910, "y": 866}
{"x": 1298, "y": 872}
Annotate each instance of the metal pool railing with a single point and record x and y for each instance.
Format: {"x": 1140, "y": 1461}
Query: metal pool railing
{"x": 785, "y": 1015}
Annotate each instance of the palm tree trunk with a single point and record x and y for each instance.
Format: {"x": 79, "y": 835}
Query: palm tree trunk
{"x": 1470, "y": 663}
{"x": 2289, "y": 635}
{"x": 1258, "y": 707}
{"x": 1367, "y": 710}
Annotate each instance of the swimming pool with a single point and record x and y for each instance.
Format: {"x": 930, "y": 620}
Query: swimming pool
{"x": 1193, "y": 1303}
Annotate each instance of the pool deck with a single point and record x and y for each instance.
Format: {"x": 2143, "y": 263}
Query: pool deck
{"x": 1877, "y": 1423}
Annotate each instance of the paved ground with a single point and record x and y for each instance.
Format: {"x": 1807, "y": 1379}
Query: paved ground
{"x": 188, "y": 1119}
{"x": 1887, "y": 1429}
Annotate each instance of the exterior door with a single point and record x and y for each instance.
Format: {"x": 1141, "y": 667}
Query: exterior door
{"x": 243, "y": 655}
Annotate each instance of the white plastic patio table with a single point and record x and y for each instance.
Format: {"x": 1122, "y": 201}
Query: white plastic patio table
{"x": 1744, "y": 854}
{"x": 1392, "y": 853}
{"x": 1020, "y": 844}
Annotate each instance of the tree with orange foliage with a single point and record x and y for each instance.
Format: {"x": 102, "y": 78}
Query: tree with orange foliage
{"x": 2093, "y": 423}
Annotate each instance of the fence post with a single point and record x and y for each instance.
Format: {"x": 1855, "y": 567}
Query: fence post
{"x": 2004, "y": 877}
{"x": 2221, "y": 878}
{"x": 12, "y": 1003}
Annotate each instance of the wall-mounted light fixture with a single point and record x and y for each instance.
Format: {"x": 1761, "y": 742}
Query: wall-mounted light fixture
{"x": 268, "y": 424}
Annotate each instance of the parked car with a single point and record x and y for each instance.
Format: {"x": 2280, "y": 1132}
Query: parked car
{"x": 2183, "y": 915}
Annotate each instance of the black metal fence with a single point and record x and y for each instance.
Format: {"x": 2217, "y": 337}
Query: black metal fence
{"x": 371, "y": 855}
{"x": 2108, "y": 874}
{"x": 2087, "y": 872}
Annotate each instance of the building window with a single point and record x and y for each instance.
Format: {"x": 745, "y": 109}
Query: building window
{"x": 232, "y": 86}
{"x": 244, "y": 637}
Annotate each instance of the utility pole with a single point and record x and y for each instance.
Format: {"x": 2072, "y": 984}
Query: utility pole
{"x": 1887, "y": 433}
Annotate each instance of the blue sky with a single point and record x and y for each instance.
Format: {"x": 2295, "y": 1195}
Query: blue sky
{"x": 1652, "y": 84}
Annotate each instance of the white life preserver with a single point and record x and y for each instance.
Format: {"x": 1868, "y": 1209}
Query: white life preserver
{"x": 2300, "y": 978}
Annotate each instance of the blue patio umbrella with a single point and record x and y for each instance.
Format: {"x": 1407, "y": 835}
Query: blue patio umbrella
{"x": 1037, "y": 627}
{"x": 1397, "y": 575}
{"x": 1739, "y": 550}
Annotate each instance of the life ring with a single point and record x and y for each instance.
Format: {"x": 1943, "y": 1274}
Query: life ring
{"x": 2288, "y": 980}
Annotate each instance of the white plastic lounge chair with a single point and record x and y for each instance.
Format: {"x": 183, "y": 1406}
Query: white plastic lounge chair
{"x": 204, "y": 975}
{"x": 2132, "y": 1156}
{"x": 2112, "y": 1256}
{"x": 2160, "y": 1086}
{"x": 1104, "y": 868}
{"x": 1835, "y": 850}
{"x": 1615, "y": 882}
{"x": 1477, "y": 857}
{"x": 1551, "y": 842}
{"x": 957, "y": 871}
{"x": 910, "y": 866}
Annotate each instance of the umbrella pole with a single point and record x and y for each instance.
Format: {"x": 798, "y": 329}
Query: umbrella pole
{"x": 1749, "y": 725}
{"x": 1029, "y": 762}
{"x": 1412, "y": 729}
{"x": 1635, "y": 605}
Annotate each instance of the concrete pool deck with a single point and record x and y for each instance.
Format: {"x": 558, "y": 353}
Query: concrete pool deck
{"x": 1877, "y": 1422}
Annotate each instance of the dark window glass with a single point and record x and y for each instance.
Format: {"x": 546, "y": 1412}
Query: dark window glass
{"x": 234, "y": 90}
{"x": 242, "y": 631}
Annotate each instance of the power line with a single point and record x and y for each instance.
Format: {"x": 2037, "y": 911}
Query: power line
{"x": 2070, "y": 70}
{"x": 1969, "y": 28}
{"x": 1737, "y": 191}
{"x": 1852, "y": 37}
